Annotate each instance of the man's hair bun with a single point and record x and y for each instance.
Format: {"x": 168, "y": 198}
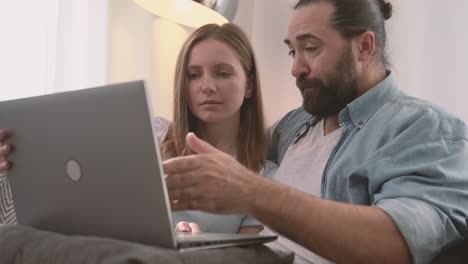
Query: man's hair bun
{"x": 387, "y": 9}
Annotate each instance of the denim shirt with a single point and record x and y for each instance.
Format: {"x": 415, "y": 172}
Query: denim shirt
{"x": 398, "y": 153}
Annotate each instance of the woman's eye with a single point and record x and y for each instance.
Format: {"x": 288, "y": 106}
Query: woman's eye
{"x": 192, "y": 76}
{"x": 224, "y": 74}
{"x": 292, "y": 53}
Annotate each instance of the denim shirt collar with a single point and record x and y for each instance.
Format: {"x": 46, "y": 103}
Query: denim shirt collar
{"x": 361, "y": 109}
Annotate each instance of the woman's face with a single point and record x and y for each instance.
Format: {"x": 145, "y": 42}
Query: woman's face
{"x": 216, "y": 82}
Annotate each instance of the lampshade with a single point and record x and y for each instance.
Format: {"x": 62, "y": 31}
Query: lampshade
{"x": 186, "y": 12}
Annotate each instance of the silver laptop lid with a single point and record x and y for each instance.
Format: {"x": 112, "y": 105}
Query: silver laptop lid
{"x": 89, "y": 164}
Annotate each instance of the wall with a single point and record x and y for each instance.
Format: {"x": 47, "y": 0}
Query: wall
{"x": 245, "y": 16}
{"x": 143, "y": 46}
{"x": 427, "y": 44}
{"x": 269, "y": 30}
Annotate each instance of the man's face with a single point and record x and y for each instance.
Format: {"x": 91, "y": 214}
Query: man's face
{"x": 324, "y": 64}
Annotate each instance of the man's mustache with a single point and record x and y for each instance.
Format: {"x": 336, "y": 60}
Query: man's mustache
{"x": 302, "y": 83}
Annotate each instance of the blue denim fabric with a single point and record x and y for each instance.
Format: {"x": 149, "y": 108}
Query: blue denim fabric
{"x": 401, "y": 154}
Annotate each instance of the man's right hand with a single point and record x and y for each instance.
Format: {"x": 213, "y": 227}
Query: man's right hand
{"x": 4, "y": 151}
{"x": 210, "y": 181}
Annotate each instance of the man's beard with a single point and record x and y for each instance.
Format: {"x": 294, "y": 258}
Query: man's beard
{"x": 322, "y": 100}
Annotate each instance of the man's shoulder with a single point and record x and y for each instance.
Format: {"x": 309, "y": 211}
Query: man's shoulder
{"x": 418, "y": 112}
{"x": 283, "y": 132}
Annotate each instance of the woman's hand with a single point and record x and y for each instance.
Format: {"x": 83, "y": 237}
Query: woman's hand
{"x": 4, "y": 151}
{"x": 187, "y": 227}
{"x": 251, "y": 230}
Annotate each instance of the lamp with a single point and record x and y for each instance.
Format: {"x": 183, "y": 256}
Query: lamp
{"x": 227, "y": 8}
{"x": 192, "y": 13}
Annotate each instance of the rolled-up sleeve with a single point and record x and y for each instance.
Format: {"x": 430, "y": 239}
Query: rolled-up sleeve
{"x": 424, "y": 189}
{"x": 421, "y": 226}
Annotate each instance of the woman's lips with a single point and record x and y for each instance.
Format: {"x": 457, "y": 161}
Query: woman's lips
{"x": 211, "y": 102}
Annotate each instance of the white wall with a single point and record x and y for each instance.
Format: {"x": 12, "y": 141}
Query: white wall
{"x": 427, "y": 41}
{"x": 143, "y": 46}
{"x": 244, "y": 17}
{"x": 129, "y": 47}
{"x": 269, "y": 30}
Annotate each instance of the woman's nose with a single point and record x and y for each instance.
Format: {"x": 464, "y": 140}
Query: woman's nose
{"x": 208, "y": 85}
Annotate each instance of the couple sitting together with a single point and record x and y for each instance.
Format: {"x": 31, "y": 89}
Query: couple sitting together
{"x": 360, "y": 173}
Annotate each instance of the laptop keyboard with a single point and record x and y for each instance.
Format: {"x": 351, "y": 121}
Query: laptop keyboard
{"x": 211, "y": 240}
{"x": 186, "y": 236}
{"x": 186, "y": 239}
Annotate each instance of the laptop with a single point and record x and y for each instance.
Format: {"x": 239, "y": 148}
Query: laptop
{"x": 88, "y": 163}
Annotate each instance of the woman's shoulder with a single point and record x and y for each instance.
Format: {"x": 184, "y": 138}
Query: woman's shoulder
{"x": 161, "y": 122}
{"x": 160, "y": 126}
{"x": 269, "y": 169}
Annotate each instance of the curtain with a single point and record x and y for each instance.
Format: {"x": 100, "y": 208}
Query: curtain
{"x": 52, "y": 46}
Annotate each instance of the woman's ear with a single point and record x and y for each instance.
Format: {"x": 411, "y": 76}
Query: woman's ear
{"x": 249, "y": 88}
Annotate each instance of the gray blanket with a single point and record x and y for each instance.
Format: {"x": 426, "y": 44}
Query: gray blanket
{"x": 26, "y": 245}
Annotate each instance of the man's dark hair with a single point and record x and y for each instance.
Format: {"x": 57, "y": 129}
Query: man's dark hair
{"x": 354, "y": 17}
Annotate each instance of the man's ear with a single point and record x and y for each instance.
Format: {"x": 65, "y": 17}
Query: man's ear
{"x": 366, "y": 46}
{"x": 249, "y": 87}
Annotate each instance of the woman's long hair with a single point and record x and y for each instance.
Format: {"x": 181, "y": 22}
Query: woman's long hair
{"x": 251, "y": 143}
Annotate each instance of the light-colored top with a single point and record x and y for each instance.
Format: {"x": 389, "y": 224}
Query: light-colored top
{"x": 310, "y": 153}
{"x": 401, "y": 154}
{"x": 7, "y": 208}
{"x": 212, "y": 222}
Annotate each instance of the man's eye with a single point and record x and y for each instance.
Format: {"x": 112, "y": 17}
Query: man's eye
{"x": 311, "y": 49}
{"x": 292, "y": 53}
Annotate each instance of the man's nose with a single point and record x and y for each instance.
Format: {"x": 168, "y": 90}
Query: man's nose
{"x": 300, "y": 67}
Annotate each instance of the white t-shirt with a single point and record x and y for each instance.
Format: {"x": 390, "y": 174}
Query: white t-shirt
{"x": 302, "y": 168}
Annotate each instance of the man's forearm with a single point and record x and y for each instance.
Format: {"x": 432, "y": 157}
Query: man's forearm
{"x": 344, "y": 233}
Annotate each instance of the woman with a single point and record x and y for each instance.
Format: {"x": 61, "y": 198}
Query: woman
{"x": 217, "y": 95}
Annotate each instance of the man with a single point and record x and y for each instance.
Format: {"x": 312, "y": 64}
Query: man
{"x": 392, "y": 169}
